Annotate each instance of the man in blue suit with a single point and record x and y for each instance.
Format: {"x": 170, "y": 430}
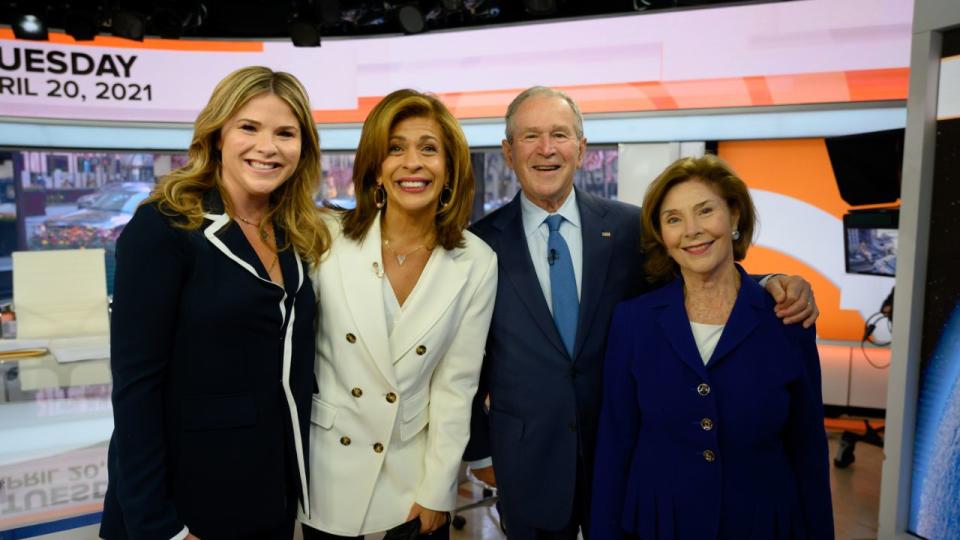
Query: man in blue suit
{"x": 566, "y": 258}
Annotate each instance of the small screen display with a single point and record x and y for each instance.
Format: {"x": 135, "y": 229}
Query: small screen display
{"x": 871, "y": 251}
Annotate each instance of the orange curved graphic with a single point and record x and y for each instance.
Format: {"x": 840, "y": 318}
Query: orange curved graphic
{"x": 834, "y": 322}
{"x": 639, "y": 96}
{"x": 150, "y": 43}
{"x": 796, "y": 168}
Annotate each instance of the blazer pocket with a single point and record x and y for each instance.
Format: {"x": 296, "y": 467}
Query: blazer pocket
{"x": 204, "y": 413}
{"x": 414, "y": 414}
{"x": 507, "y": 425}
{"x": 322, "y": 414}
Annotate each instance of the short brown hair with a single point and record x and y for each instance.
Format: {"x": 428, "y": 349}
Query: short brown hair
{"x": 374, "y": 142}
{"x": 712, "y": 171}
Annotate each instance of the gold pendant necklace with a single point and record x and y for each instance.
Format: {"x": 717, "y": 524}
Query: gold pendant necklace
{"x": 402, "y": 258}
{"x": 261, "y": 232}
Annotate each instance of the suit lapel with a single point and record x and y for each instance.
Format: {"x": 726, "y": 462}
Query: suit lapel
{"x": 291, "y": 266}
{"x": 361, "y": 268}
{"x": 744, "y": 317}
{"x": 439, "y": 284}
{"x": 676, "y": 327}
{"x": 597, "y": 250}
{"x": 232, "y": 243}
{"x": 515, "y": 262}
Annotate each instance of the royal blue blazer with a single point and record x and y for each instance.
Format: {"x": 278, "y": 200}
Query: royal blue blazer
{"x": 732, "y": 450}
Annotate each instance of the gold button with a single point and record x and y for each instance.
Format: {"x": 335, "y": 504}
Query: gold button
{"x": 709, "y": 456}
{"x": 345, "y": 440}
{"x": 351, "y": 338}
{"x": 703, "y": 389}
{"x": 377, "y": 447}
{"x": 391, "y": 397}
{"x": 356, "y": 392}
{"x": 706, "y": 424}
{"x": 421, "y": 350}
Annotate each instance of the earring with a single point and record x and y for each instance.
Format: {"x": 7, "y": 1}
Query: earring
{"x": 379, "y": 196}
{"x": 735, "y": 235}
{"x": 448, "y": 191}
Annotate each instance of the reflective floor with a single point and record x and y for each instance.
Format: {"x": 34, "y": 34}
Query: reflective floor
{"x": 856, "y": 499}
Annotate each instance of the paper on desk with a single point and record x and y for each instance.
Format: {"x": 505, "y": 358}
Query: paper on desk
{"x": 60, "y": 293}
{"x": 13, "y": 345}
{"x": 80, "y": 348}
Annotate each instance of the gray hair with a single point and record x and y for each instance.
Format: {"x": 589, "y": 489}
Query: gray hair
{"x": 538, "y": 91}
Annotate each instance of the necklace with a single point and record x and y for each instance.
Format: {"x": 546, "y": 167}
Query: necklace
{"x": 402, "y": 257}
{"x": 263, "y": 232}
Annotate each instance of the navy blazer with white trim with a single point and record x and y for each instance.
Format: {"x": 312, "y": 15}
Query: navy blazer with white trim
{"x": 212, "y": 367}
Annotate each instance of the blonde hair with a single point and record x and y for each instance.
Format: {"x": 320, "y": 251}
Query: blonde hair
{"x": 400, "y": 105}
{"x": 291, "y": 205}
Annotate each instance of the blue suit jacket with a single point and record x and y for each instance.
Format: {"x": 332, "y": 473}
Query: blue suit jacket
{"x": 769, "y": 478}
{"x": 544, "y": 404}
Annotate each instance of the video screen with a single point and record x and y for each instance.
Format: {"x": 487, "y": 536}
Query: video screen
{"x": 935, "y": 485}
{"x": 872, "y": 251}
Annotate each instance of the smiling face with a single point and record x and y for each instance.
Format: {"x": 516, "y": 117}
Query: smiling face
{"x": 545, "y": 151}
{"x": 696, "y": 225}
{"x": 259, "y": 148}
{"x": 414, "y": 171}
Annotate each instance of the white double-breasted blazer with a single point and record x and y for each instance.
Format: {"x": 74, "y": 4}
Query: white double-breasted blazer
{"x": 392, "y": 415}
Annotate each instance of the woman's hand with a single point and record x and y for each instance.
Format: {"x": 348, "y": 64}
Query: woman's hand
{"x": 430, "y": 520}
{"x": 191, "y": 537}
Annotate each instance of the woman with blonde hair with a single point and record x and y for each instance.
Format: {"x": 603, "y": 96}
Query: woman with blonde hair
{"x": 213, "y": 326}
{"x": 406, "y": 297}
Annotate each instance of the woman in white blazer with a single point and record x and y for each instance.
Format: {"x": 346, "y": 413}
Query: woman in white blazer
{"x": 406, "y": 296}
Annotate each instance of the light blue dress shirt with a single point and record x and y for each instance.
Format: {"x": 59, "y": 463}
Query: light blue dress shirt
{"x": 538, "y": 233}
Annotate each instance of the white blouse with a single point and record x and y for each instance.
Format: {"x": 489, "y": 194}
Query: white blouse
{"x": 707, "y": 336}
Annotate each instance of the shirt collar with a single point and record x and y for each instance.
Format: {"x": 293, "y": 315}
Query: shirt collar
{"x": 533, "y": 215}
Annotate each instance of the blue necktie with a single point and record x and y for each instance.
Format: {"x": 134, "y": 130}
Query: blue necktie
{"x": 563, "y": 284}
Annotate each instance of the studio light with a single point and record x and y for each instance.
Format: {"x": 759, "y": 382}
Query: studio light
{"x": 329, "y": 11}
{"x": 128, "y": 24}
{"x": 304, "y": 32}
{"x": 81, "y": 25}
{"x": 411, "y": 19}
{"x": 30, "y": 26}
{"x": 643, "y": 5}
{"x": 540, "y": 7}
{"x": 167, "y": 22}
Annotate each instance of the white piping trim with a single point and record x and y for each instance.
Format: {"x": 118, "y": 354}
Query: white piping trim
{"x": 219, "y": 220}
{"x": 291, "y": 403}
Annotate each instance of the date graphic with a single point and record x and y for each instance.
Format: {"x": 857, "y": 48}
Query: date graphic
{"x": 71, "y": 89}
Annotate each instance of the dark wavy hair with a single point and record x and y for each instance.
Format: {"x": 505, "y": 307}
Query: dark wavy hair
{"x": 374, "y": 143}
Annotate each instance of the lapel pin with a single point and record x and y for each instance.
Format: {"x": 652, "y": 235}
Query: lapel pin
{"x": 605, "y": 234}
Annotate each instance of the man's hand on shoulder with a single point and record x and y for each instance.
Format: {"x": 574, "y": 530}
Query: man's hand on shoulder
{"x": 794, "y": 298}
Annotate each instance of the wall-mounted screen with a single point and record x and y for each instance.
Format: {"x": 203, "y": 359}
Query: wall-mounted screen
{"x": 870, "y": 242}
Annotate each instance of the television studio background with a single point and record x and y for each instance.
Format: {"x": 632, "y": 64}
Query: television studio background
{"x": 841, "y": 116}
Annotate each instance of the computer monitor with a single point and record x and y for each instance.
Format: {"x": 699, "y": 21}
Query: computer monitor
{"x": 870, "y": 242}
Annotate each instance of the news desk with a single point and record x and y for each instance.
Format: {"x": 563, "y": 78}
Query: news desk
{"x": 55, "y": 425}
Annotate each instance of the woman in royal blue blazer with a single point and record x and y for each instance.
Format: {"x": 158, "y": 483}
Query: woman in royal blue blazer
{"x": 213, "y": 326}
{"x": 712, "y": 420}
